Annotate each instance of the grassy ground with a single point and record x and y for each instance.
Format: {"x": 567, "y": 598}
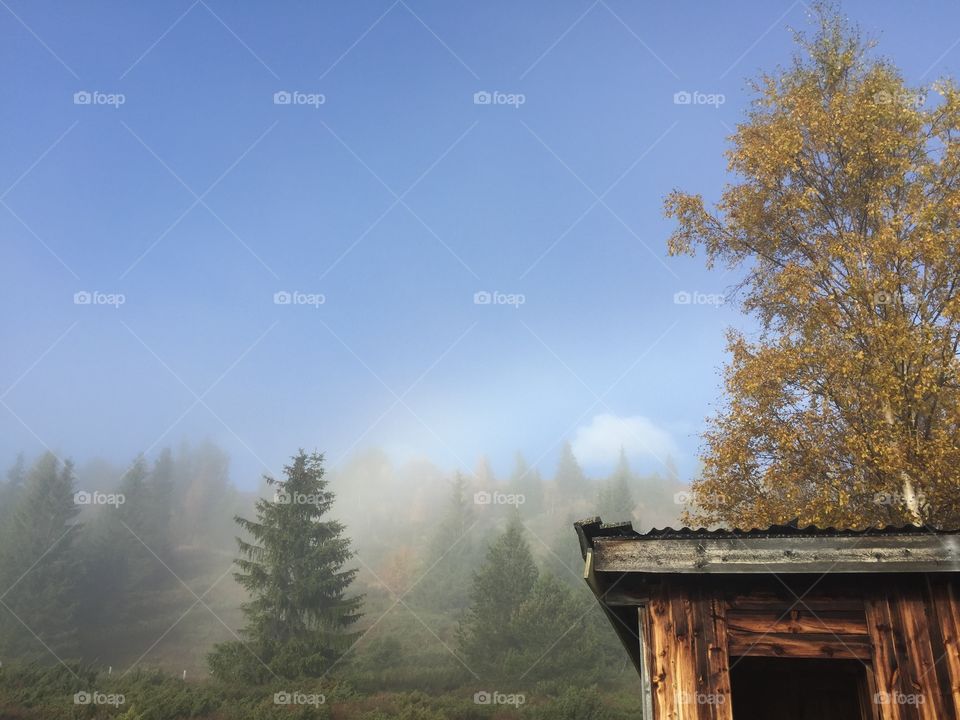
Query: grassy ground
{"x": 403, "y": 667}
{"x": 59, "y": 693}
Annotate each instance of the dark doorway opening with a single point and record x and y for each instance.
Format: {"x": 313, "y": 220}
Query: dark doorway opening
{"x": 799, "y": 689}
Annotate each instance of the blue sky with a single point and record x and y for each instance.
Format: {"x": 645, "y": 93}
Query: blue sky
{"x": 397, "y": 199}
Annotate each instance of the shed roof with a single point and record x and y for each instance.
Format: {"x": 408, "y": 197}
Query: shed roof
{"x": 779, "y": 548}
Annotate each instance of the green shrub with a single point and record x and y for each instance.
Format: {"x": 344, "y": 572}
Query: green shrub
{"x": 574, "y": 704}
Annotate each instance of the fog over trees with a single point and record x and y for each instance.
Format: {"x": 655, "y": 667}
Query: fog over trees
{"x": 125, "y": 550}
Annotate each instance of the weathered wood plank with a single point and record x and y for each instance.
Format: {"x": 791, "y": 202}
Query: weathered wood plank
{"x": 840, "y": 554}
{"x": 884, "y": 662}
{"x": 945, "y": 621}
{"x": 796, "y": 621}
{"x": 820, "y": 603}
{"x": 716, "y": 668}
{"x": 662, "y": 675}
{"x": 809, "y": 645}
{"x": 689, "y": 663}
{"x": 912, "y": 609}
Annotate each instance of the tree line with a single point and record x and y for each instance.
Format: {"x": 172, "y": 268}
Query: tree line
{"x": 85, "y": 571}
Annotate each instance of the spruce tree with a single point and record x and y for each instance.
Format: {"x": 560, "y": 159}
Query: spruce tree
{"x": 446, "y": 584}
{"x": 299, "y": 616}
{"x": 42, "y": 566}
{"x": 162, "y": 488}
{"x": 570, "y": 481}
{"x": 558, "y": 640}
{"x": 10, "y": 490}
{"x": 526, "y": 481}
{"x": 484, "y": 474}
{"x": 488, "y": 635}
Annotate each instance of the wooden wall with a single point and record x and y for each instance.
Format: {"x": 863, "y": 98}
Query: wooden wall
{"x": 905, "y": 629}
{"x": 687, "y": 656}
{"x": 916, "y": 665}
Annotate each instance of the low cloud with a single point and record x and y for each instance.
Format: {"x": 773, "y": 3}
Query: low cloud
{"x": 599, "y": 442}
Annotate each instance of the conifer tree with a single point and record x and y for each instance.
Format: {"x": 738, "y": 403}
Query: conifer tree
{"x": 42, "y": 566}
{"x": 446, "y": 583}
{"x": 488, "y": 634}
{"x": 299, "y": 616}
{"x": 570, "y": 481}
{"x": 526, "y": 481}
{"x": 558, "y": 639}
{"x": 10, "y": 491}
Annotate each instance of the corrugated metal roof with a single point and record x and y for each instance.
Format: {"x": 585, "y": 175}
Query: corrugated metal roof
{"x": 594, "y": 527}
{"x": 787, "y": 548}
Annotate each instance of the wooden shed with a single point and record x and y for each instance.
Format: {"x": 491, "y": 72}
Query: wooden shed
{"x": 784, "y": 623}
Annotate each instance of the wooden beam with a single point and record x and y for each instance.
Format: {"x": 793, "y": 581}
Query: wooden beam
{"x": 797, "y": 622}
{"x": 838, "y": 554}
{"x": 792, "y": 645}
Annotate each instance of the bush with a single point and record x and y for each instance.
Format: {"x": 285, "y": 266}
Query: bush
{"x": 35, "y": 692}
{"x": 574, "y": 704}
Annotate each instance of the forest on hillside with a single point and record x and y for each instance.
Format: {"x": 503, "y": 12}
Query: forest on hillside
{"x": 464, "y": 583}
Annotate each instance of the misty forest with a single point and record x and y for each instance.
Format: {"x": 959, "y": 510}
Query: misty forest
{"x": 430, "y": 589}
